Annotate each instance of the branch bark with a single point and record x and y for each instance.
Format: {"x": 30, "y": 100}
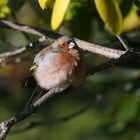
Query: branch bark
{"x": 57, "y": 120}
{"x": 94, "y": 48}
{"x": 6, "y": 125}
{"x": 127, "y": 58}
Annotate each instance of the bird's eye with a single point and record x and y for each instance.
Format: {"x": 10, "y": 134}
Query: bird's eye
{"x": 72, "y": 45}
{"x": 63, "y": 44}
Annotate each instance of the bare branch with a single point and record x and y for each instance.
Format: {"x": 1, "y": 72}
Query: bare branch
{"x": 20, "y": 50}
{"x": 6, "y": 55}
{"x": 127, "y": 58}
{"x": 7, "y": 124}
{"x": 20, "y": 27}
{"x": 57, "y": 120}
{"x": 97, "y": 49}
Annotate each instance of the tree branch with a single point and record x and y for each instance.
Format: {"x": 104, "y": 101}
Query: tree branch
{"x": 127, "y": 58}
{"x": 94, "y": 48}
{"x": 57, "y": 120}
{"x": 21, "y": 28}
{"x": 20, "y": 50}
{"x": 4, "y": 56}
{"x": 7, "y": 124}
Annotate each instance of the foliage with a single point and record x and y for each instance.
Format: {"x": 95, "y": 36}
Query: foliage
{"x": 4, "y": 9}
{"x": 112, "y": 19}
{"x": 59, "y": 10}
{"x": 117, "y": 115}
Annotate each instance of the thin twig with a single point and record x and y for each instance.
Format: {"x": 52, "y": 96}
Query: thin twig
{"x": 18, "y": 51}
{"x": 123, "y": 43}
{"x": 6, "y": 55}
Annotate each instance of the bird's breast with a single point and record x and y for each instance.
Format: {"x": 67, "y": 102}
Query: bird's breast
{"x": 56, "y": 70}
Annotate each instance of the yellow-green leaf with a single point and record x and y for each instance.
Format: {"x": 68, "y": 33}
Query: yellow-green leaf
{"x": 110, "y": 13}
{"x": 59, "y": 10}
{"x": 43, "y": 3}
{"x": 4, "y": 9}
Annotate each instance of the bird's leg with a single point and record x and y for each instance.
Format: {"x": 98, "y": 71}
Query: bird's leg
{"x": 29, "y": 102}
{"x": 52, "y": 92}
{"x": 27, "y": 81}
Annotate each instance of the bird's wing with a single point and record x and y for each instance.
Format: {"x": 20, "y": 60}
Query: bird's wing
{"x": 38, "y": 57}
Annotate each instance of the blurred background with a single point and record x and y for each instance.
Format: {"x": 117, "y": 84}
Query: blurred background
{"x": 105, "y": 107}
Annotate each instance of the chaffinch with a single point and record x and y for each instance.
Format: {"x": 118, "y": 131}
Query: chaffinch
{"x": 59, "y": 65}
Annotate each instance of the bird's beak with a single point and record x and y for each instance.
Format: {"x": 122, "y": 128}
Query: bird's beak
{"x": 72, "y": 45}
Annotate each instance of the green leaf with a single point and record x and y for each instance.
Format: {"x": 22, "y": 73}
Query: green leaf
{"x": 4, "y": 9}
{"x": 59, "y": 10}
{"x": 3, "y": 2}
{"x": 110, "y": 13}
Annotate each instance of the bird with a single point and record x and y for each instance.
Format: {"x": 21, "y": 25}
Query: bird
{"x": 59, "y": 65}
